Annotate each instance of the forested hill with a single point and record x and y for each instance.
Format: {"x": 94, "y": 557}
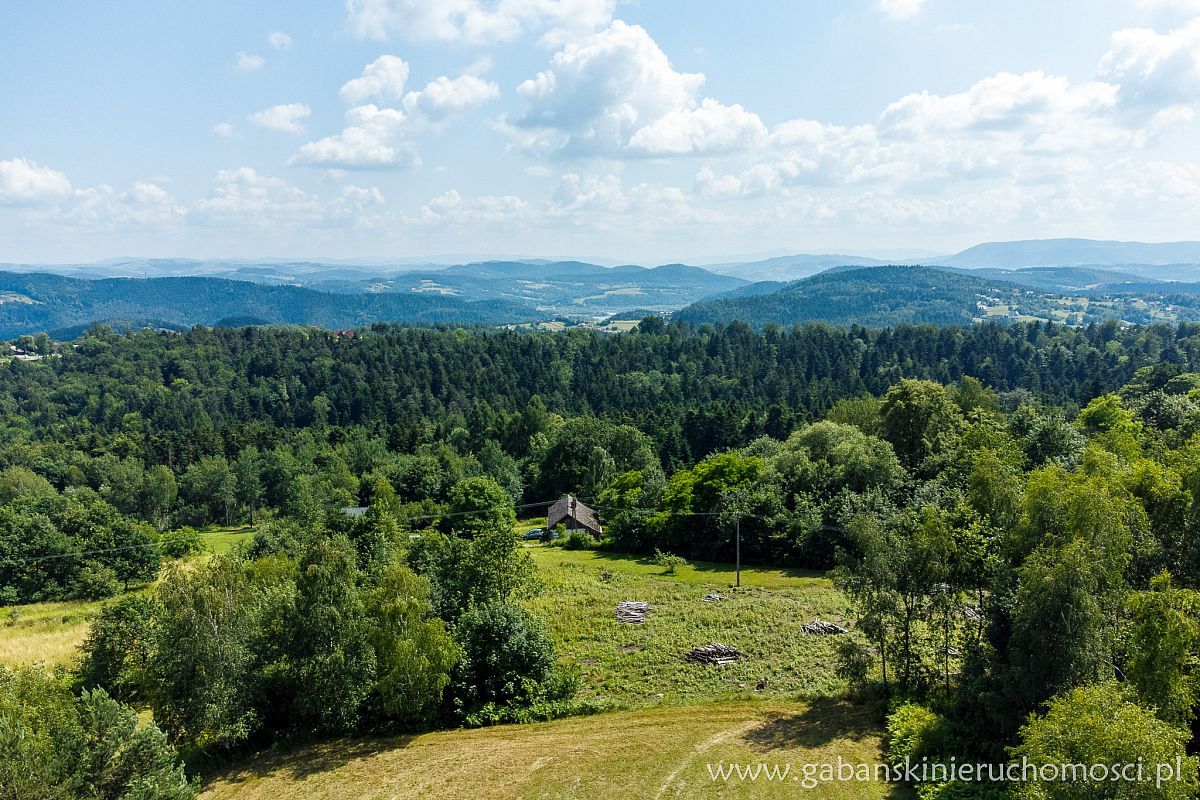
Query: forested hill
{"x": 871, "y": 296}
{"x": 182, "y": 396}
{"x": 43, "y": 302}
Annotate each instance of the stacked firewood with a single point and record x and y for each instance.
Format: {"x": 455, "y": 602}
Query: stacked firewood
{"x": 632, "y": 611}
{"x": 822, "y": 628}
{"x": 715, "y": 653}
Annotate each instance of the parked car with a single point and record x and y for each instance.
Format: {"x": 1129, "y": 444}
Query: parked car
{"x": 532, "y": 535}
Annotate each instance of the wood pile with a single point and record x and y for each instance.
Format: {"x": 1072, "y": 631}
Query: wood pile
{"x": 715, "y": 653}
{"x": 713, "y": 597}
{"x": 821, "y": 628}
{"x": 632, "y": 611}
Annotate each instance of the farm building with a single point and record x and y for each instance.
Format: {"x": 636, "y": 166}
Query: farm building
{"x": 574, "y": 516}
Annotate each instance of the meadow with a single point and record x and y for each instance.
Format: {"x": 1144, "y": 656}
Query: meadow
{"x": 50, "y": 633}
{"x": 662, "y": 752}
{"x": 630, "y": 665}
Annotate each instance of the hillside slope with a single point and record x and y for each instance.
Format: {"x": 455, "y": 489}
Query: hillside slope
{"x": 662, "y": 752}
{"x": 41, "y": 302}
{"x": 871, "y": 296}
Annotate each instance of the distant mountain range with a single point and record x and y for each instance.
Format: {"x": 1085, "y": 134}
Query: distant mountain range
{"x": 38, "y": 302}
{"x": 1131, "y": 281}
{"x": 1071, "y": 252}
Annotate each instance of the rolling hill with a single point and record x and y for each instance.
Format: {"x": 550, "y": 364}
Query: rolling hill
{"x": 39, "y": 302}
{"x": 871, "y": 296}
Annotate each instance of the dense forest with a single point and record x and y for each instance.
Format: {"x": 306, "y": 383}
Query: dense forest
{"x": 1013, "y": 512}
{"x": 894, "y": 295}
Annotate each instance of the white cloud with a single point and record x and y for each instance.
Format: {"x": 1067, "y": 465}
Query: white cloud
{"x": 901, "y": 9}
{"x": 382, "y": 79}
{"x": 1156, "y": 69}
{"x": 444, "y": 97}
{"x": 145, "y": 204}
{"x": 371, "y": 139}
{"x": 709, "y": 128}
{"x": 241, "y": 198}
{"x": 476, "y": 21}
{"x": 225, "y": 130}
{"x": 616, "y": 91}
{"x": 452, "y": 209}
{"x": 247, "y": 62}
{"x": 284, "y": 118}
{"x": 280, "y": 41}
{"x": 25, "y": 183}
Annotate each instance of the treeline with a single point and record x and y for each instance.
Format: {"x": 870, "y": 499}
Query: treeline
{"x": 171, "y": 399}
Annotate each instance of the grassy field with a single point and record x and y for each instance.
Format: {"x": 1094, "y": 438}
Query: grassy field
{"x": 52, "y": 632}
{"x": 46, "y": 632}
{"x": 663, "y": 752}
{"x": 637, "y": 665}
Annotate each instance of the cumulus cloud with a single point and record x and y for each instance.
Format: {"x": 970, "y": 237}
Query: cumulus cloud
{"x": 242, "y": 198}
{"x": 476, "y": 21}
{"x": 901, "y": 9}
{"x": 26, "y": 183}
{"x": 382, "y": 79}
{"x": 280, "y": 41}
{"x": 453, "y": 210}
{"x": 284, "y": 118}
{"x": 145, "y": 204}
{"x": 1155, "y": 69}
{"x": 709, "y": 128}
{"x": 371, "y": 139}
{"x": 445, "y": 97}
{"x": 616, "y": 91}
{"x": 247, "y": 62}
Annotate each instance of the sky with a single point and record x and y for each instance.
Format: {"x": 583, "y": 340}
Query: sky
{"x": 646, "y": 132}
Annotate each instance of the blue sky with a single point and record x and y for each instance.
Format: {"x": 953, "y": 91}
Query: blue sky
{"x": 647, "y": 132}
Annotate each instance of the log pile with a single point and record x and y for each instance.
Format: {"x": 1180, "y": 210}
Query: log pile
{"x": 713, "y": 597}
{"x": 821, "y": 628}
{"x": 715, "y": 653}
{"x": 632, "y": 611}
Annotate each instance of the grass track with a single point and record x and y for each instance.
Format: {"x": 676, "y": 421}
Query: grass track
{"x": 644, "y": 754}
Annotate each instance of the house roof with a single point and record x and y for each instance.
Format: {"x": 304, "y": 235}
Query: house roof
{"x": 568, "y": 506}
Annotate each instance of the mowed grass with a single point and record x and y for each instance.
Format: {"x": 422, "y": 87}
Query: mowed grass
{"x": 638, "y": 665}
{"x": 50, "y": 633}
{"x": 663, "y": 752}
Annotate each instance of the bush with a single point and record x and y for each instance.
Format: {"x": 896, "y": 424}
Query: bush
{"x": 506, "y": 667}
{"x": 182, "y": 543}
{"x": 579, "y": 540}
{"x": 854, "y": 662}
{"x": 668, "y": 562}
{"x": 95, "y": 582}
{"x": 916, "y": 732}
{"x": 118, "y": 648}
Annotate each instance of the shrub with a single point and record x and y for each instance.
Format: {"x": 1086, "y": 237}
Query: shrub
{"x": 915, "y": 732}
{"x": 579, "y": 540}
{"x": 668, "y": 562}
{"x": 181, "y": 543}
{"x": 95, "y": 582}
{"x": 506, "y": 666}
{"x": 118, "y": 648}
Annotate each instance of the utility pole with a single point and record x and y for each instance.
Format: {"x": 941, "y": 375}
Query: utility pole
{"x": 738, "y": 546}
